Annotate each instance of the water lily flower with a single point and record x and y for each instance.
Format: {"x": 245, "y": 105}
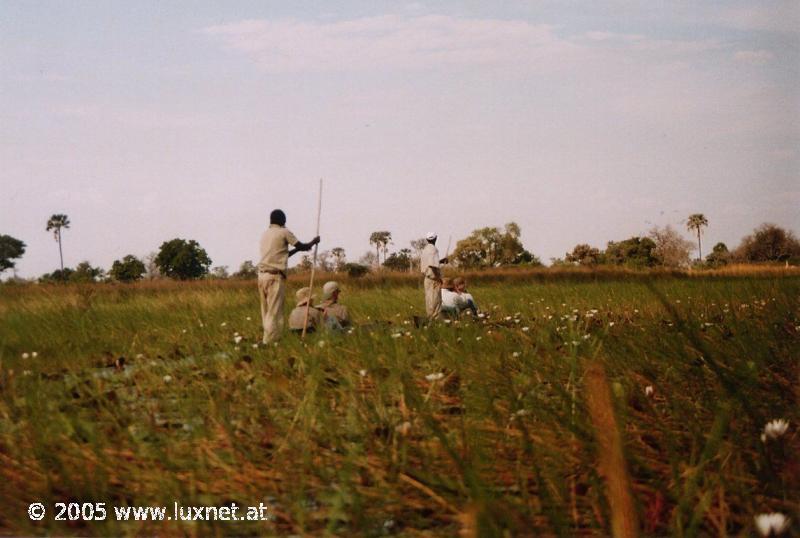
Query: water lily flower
{"x": 434, "y": 377}
{"x": 774, "y": 429}
{"x": 772, "y": 524}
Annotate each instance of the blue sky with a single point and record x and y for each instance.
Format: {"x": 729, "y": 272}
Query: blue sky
{"x": 583, "y": 122}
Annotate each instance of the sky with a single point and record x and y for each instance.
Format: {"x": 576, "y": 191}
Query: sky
{"x": 583, "y": 122}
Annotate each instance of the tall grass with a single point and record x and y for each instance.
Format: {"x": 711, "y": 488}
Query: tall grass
{"x": 139, "y": 395}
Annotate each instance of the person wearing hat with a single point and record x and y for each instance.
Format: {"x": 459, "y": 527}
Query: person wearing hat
{"x": 450, "y": 299}
{"x": 297, "y": 317}
{"x": 275, "y": 253}
{"x": 465, "y": 300}
{"x": 335, "y": 314}
{"x": 429, "y": 266}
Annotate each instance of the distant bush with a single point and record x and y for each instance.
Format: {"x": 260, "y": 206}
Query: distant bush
{"x": 355, "y": 270}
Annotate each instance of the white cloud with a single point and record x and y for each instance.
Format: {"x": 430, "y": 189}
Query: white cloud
{"x": 391, "y": 41}
{"x": 395, "y": 42}
{"x": 756, "y": 57}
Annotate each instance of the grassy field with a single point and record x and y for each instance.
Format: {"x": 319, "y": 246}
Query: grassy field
{"x": 141, "y": 395}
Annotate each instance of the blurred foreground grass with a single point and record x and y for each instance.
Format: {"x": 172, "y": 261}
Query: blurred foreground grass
{"x": 139, "y": 395}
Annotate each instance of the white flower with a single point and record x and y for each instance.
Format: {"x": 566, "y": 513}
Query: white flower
{"x": 515, "y": 354}
{"x": 434, "y": 377}
{"x": 321, "y": 343}
{"x": 526, "y": 329}
{"x": 775, "y": 429}
{"x": 140, "y": 355}
{"x": 34, "y": 354}
{"x": 610, "y": 323}
{"x": 25, "y": 355}
{"x": 508, "y": 318}
{"x": 648, "y": 390}
{"x": 248, "y": 318}
{"x": 223, "y": 323}
{"x": 447, "y": 321}
{"x": 167, "y": 378}
{"x": 362, "y": 373}
{"x": 478, "y": 337}
{"x": 397, "y": 335}
{"x": 237, "y": 338}
{"x": 255, "y": 346}
{"x": 774, "y": 523}
{"x": 184, "y": 331}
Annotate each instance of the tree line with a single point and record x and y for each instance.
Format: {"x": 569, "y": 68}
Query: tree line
{"x": 486, "y": 247}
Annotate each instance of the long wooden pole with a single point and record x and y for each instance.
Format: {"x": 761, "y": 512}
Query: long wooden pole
{"x": 314, "y": 263}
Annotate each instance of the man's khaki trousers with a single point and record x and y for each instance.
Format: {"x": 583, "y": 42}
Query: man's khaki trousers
{"x": 271, "y": 290}
{"x": 433, "y": 298}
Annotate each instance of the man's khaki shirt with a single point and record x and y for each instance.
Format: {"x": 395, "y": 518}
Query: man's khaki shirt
{"x": 336, "y": 311}
{"x": 297, "y": 317}
{"x": 275, "y": 248}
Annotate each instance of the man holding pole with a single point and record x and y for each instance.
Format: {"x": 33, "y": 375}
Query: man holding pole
{"x": 275, "y": 253}
{"x": 429, "y": 266}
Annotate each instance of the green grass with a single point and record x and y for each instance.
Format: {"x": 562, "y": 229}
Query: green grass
{"x": 502, "y": 443}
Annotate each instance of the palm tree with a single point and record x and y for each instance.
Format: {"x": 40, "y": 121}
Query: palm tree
{"x": 55, "y": 223}
{"x": 695, "y": 222}
{"x": 381, "y": 240}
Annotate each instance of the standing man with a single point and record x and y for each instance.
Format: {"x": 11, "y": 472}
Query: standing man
{"x": 429, "y": 266}
{"x": 275, "y": 253}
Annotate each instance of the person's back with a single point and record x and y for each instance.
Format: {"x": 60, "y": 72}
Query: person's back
{"x": 297, "y": 317}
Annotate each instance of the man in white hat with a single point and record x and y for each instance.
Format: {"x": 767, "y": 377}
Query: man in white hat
{"x": 429, "y": 266}
{"x": 334, "y": 314}
{"x": 297, "y": 317}
{"x": 275, "y": 253}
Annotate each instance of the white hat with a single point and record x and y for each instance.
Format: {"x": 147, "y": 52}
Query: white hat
{"x": 431, "y": 236}
{"x": 329, "y": 288}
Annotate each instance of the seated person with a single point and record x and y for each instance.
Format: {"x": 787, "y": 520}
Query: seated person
{"x": 465, "y": 300}
{"x": 450, "y": 299}
{"x": 297, "y": 316}
{"x": 334, "y": 314}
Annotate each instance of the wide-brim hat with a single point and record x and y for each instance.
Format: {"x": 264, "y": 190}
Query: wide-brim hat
{"x": 431, "y": 236}
{"x": 303, "y": 295}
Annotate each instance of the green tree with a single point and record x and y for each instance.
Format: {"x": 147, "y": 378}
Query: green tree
{"x": 246, "y": 270}
{"x": 84, "y": 272}
{"x": 489, "y": 247}
{"x": 719, "y": 255}
{"x": 339, "y": 258}
{"x": 128, "y": 269}
{"x": 636, "y": 252}
{"x": 182, "y": 259}
{"x": 583, "y": 254}
{"x": 696, "y": 222}
{"x": 56, "y": 223}
{"x": 10, "y": 249}
{"x": 769, "y": 242}
{"x": 59, "y": 275}
{"x": 399, "y": 261}
{"x": 220, "y": 272}
{"x": 381, "y": 241}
